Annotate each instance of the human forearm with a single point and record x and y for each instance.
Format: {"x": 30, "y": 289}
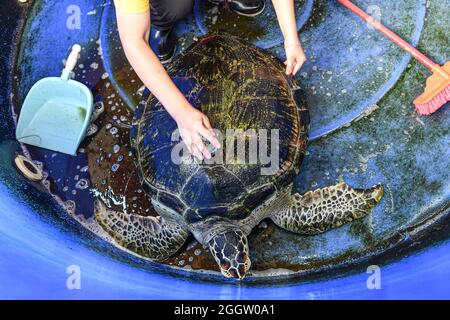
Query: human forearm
{"x": 295, "y": 56}
{"x": 152, "y": 73}
{"x": 134, "y": 30}
{"x": 191, "y": 122}
{"x": 134, "y": 33}
{"x": 285, "y": 11}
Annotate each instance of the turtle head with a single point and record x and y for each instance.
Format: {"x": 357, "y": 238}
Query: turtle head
{"x": 230, "y": 250}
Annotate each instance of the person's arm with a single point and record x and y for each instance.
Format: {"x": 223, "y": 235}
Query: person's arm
{"x": 295, "y": 55}
{"x": 134, "y": 32}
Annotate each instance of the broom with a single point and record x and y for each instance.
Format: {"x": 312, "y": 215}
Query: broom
{"x": 437, "y": 91}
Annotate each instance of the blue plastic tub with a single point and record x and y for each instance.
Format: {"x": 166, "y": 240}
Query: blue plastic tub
{"x": 41, "y": 246}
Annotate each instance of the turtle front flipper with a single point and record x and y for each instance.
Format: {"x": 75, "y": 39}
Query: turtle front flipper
{"x": 147, "y": 236}
{"x": 322, "y": 209}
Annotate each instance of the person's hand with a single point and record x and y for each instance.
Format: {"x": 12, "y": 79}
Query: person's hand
{"x": 295, "y": 57}
{"x": 194, "y": 125}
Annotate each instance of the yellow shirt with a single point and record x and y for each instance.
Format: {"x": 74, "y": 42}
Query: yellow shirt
{"x": 132, "y": 6}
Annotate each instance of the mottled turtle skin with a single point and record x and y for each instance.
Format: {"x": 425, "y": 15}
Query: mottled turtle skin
{"x": 238, "y": 86}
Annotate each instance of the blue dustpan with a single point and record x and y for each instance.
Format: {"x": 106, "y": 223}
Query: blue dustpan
{"x": 56, "y": 112}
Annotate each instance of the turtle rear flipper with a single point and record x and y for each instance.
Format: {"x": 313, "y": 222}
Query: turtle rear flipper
{"x": 322, "y": 209}
{"x": 147, "y": 236}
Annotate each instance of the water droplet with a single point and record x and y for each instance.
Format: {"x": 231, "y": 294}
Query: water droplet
{"x": 92, "y": 129}
{"x": 82, "y": 184}
{"x": 70, "y": 206}
{"x": 116, "y": 148}
{"x": 99, "y": 108}
{"x": 115, "y": 167}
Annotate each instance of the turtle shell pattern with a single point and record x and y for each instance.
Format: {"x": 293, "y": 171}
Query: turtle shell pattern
{"x": 238, "y": 86}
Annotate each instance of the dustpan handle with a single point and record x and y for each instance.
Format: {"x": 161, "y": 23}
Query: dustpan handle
{"x": 71, "y": 62}
{"x": 390, "y": 34}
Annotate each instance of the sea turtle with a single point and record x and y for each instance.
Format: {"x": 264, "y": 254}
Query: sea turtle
{"x": 220, "y": 200}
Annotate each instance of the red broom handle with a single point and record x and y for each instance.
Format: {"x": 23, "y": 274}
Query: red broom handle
{"x": 390, "y": 34}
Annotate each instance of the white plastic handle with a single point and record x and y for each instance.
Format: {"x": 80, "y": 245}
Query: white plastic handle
{"x": 73, "y": 58}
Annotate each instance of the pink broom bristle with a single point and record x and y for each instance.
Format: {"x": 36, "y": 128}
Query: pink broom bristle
{"x": 437, "y": 102}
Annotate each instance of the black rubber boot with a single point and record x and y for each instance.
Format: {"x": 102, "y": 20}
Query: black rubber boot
{"x": 164, "y": 44}
{"x": 248, "y": 8}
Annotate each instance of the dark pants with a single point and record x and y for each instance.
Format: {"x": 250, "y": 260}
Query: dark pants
{"x": 165, "y": 13}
